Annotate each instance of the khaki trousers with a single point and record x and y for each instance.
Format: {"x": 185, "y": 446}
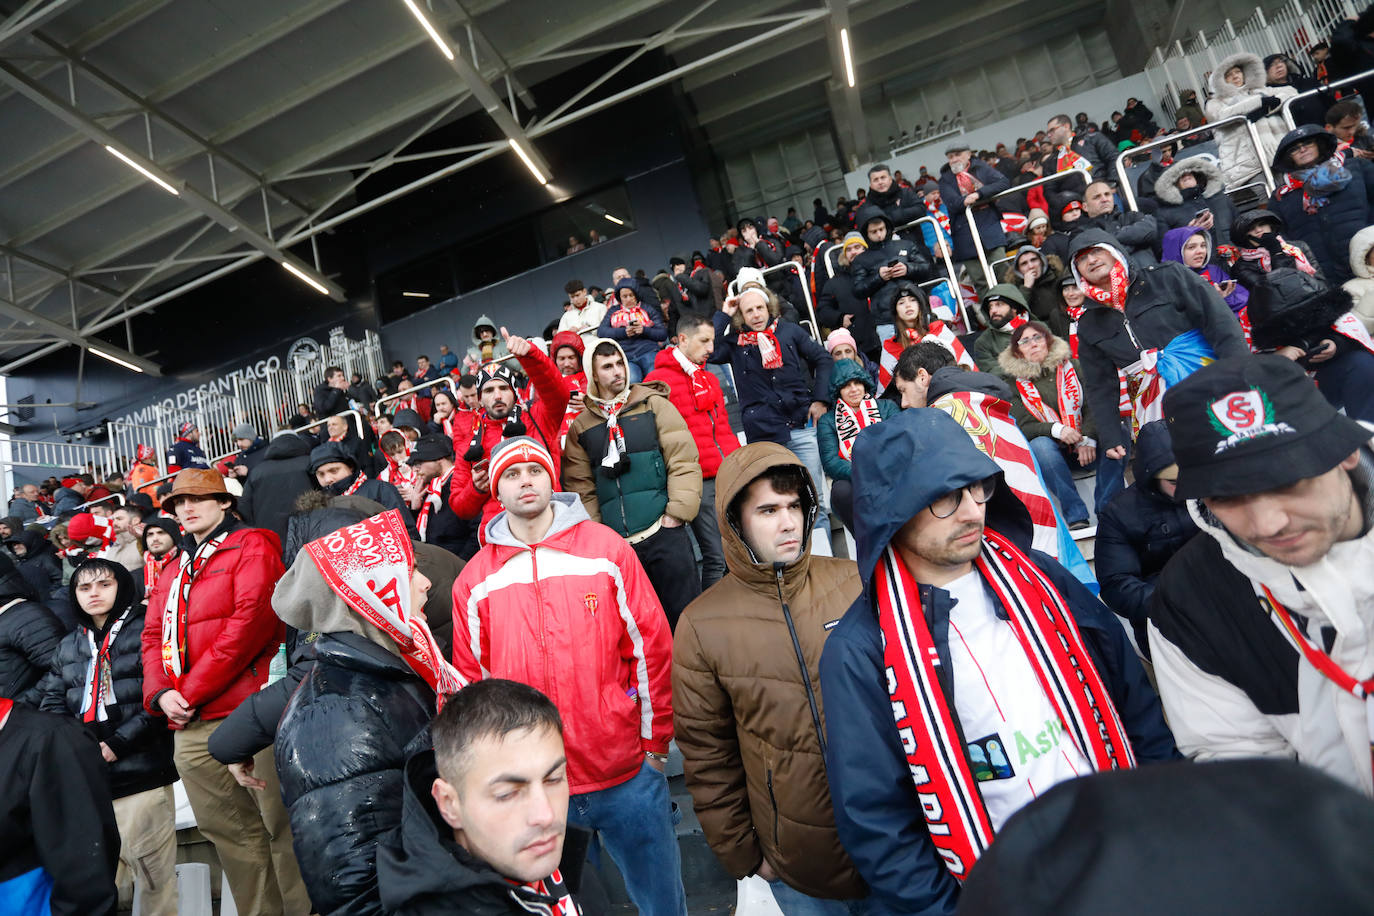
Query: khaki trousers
{"x": 148, "y": 851}
{"x": 249, "y": 829}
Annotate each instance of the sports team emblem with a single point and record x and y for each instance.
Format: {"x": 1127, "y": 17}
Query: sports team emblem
{"x": 589, "y": 602}
{"x": 1243, "y": 415}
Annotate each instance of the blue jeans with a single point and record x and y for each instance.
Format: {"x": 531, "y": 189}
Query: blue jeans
{"x": 802, "y": 443}
{"x": 635, "y": 823}
{"x": 640, "y": 366}
{"x": 793, "y": 902}
{"x": 1054, "y": 467}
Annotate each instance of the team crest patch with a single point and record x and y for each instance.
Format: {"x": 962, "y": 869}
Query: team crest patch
{"x": 1244, "y": 415}
{"x": 589, "y": 602}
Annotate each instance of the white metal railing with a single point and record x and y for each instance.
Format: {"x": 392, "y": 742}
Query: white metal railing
{"x": 1175, "y": 138}
{"x": 96, "y": 460}
{"x": 1287, "y": 108}
{"x": 125, "y": 438}
{"x": 1014, "y": 189}
{"x": 1290, "y": 29}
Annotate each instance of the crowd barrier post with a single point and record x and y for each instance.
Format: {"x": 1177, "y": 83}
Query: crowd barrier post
{"x": 945, "y": 255}
{"x": 806, "y": 293}
{"x": 445, "y": 379}
{"x": 1287, "y": 108}
{"x": 1016, "y": 189}
{"x": 1134, "y": 152}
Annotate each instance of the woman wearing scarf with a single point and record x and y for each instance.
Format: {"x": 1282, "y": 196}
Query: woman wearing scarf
{"x": 1323, "y": 195}
{"x": 914, "y": 323}
{"x": 445, "y": 409}
{"x": 362, "y": 709}
{"x": 1050, "y": 409}
{"x": 855, "y": 409}
{"x": 1192, "y": 247}
{"x": 1155, "y": 324}
{"x": 97, "y": 676}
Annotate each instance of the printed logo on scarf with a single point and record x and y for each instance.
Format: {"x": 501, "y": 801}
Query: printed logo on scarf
{"x": 1244, "y": 415}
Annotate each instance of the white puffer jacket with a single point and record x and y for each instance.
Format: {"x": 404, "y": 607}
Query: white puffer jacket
{"x": 1361, "y": 288}
{"x": 1239, "y": 164}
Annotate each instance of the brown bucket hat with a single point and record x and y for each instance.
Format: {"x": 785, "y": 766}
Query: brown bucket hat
{"x": 196, "y": 482}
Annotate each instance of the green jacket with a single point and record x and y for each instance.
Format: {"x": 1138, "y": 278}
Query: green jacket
{"x": 827, "y": 436}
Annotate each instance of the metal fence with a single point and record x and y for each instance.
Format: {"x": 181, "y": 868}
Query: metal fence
{"x": 1290, "y": 28}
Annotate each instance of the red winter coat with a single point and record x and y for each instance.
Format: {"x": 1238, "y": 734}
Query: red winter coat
{"x": 542, "y": 420}
{"x": 575, "y": 617}
{"x": 704, "y": 412}
{"x": 232, "y": 631}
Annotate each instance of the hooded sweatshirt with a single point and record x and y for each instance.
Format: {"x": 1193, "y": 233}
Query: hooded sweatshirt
{"x": 752, "y": 748}
{"x": 650, "y": 468}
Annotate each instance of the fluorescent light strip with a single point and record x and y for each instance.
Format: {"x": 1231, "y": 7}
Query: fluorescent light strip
{"x": 314, "y": 284}
{"x": 618, "y": 222}
{"x": 115, "y": 359}
{"x": 416, "y": 295}
{"x": 433, "y": 32}
{"x": 529, "y": 163}
{"x": 142, "y": 171}
{"x": 848, "y": 60}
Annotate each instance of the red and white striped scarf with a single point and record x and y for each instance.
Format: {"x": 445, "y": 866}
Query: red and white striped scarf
{"x": 939, "y": 332}
{"x": 1116, "y": 295}
{"x": 850, "y": 421}
{"x": 1265, "y": 260}
{"x": 1069, "y": 395}
{"x": 97, "y": 689}
{"x": 770, "y": 351}
{"x": 369, "y": 566}
{"x": 357, "y": 482}
{"x": 433, "y": 502}
{"x": 956, "y": 817}
{"x": 153, "y": 567}
{"x": 988, "y": 421}
{"x": 940, "y": 215}
{"x": 626, "y": 314}
{"x": 551, "y": 888}
{"x": 177, "y": 608}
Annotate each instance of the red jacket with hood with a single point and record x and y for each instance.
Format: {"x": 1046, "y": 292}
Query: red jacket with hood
{"x": 574, "y": 616}
{"x": 703, "y": 408}
{"x": 542, "y": 419}
{"x": 231, "y": 632}
{"x": 576, "y": 382}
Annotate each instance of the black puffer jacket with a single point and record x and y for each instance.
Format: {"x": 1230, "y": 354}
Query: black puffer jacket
{"x": 868, "y": 282}
{"x": 1329, "y": 229}
{"x": 141, "y": 742}
{"x": 270, "y": 493}
{"x": 1251, "y": 273}
{"x": 29, "y": 634}
{"x": 1178, "y": 208}
{"x": 839, "y": 299}
{"x": 1163, "y": 301}
{"x": 1139, "y": 531}
{"x": 39, "y": 565}
{"x": 902, "y": 205}
{"x": 340, "y": 750}
{"x": 379, "y": 491}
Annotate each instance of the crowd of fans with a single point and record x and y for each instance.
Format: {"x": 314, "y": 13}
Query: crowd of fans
{"x": 581, "y": 546}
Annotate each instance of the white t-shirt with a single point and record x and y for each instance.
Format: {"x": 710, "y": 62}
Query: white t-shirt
{"x": 1017, "y": 744}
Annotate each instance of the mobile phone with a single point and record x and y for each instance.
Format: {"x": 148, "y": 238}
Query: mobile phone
{"x": 1204, "y": 210}
{"x": 892, "y": 263}
{"x": 1316, "y": 351}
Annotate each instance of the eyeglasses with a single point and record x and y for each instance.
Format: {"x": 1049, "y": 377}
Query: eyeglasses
{"x": 1032, "y": 338}
{"x": 980, "y": 490}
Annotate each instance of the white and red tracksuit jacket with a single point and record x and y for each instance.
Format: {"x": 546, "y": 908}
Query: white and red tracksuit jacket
{"x": 575, "y": 617}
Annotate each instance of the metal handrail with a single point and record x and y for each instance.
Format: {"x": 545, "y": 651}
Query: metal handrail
{"x": 96, "y": 502}
{"x": 806, "y": 294}
{"x": 946, "y": 256}
{"x": 355, "y": 414}
{"x": 444, "y": 379}
{"x": 1288, "y": 102}
{"x": 1174, "y": 138}
{"x": 165, "y": 477}
{"x": 1016, "y": 189}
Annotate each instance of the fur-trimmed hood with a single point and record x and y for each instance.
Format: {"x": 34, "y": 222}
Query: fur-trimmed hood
{"x": 1360, "y": 244}
{"x": 1166, "y": 184}
{"x": 1016, "y": 367}
{"x": 1250, "y": 65}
